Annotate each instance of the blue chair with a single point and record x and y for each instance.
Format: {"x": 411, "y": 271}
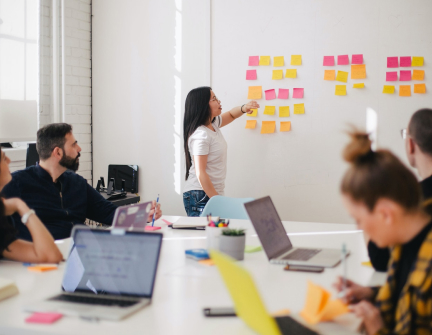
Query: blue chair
{"x": 226, "y": 208}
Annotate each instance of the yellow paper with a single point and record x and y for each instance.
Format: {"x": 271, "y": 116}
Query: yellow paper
{"x": 255, "y": 92}
{"x": 277, "y": 74}
{"x": 296, "y": 60}
{"x": 340, "y": 90}
{"x": 405, "y": 90}
{"x": 333, "y": 309}
{"x": 299, "y": 109}
{"x": 417, "y": 61}
{"x": 329, "y": 74}
{"x": 368, "y": 263}
{"x": 418, "y": 75}
{"x": 291, "y": 73}
{"x": 264, "y": 60}
{"x": 254, "y": 112}
{"x": 284, "y": 111}
{"x": 268, "y": 127}
{"x": 269, "y": 110}
{"x": 251, "y": 124}
{"x": 388, "y": 89}
{"x": 419, "y": 88}
{"x": 359, "y": 85}
{"x": 285, "y": 126}
{"x": 358, "y": 71}
{"x": 278, "y": 61}
{"x": 342, "y": 76}
{"x": 41, "y": 268}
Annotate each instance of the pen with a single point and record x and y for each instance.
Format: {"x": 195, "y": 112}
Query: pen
{"x": 154, "y": 214}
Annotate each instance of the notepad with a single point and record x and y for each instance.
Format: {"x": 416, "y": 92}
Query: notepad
{"x": 7, "y": 288}
{"x": 285, "y": 126}
{"x": 277, "y": 74}
{"x": 342, "y": 76}
{"x": 357, "y": 59}
{"x": 296, "y": 60}
{"x": 298, "y": 93}
{"x": 251, "y": 75}
{"x": 388, "y": 89}
{"x": 253, "y": 60}
{"x": 328, "y": 61}
{"x": 264, "y": 60}
{"x": 405, "y": 75}
{"x": 278, "y": 61}
{"x": 283, "y": 93}
{"x": 405, "y": 61}
{"x": 190, "y": 223}
{"x": 299, "y": 109}
{"x": 391, "y": 76}
{"x": 268, "y": 127}
{"x": 284, "y": 111}
{"x": 270, "y": 94}
{"x": 418, "y": 75}
{"x": 329, "y": 74}
{"x": 46, "y": 318}
{"x": 251, "y": 124}
{"x": 358, "y": 71}
{"x": 417, "y": 61}
{"x": 291, "y": 73}
{"x": 405, "y": 90}
{"x": 419, "y": 88}
{"x": 340, "y": 90}
{"x": 255, "y": 92}
{"x": 269, "y": 110}
{"x": 343, "y": 60}
{"x": 392, "y": 62}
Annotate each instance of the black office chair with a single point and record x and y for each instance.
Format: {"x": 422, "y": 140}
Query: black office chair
{"x": 32, "y": 155}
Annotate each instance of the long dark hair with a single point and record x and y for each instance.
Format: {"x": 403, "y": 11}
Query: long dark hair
{"x": 6, "y": 229}
{"x": 197, "y": 113}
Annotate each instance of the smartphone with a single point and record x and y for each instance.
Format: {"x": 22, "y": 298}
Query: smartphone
{"x": 304, "y": 268}
{"x": 219, "y": 311}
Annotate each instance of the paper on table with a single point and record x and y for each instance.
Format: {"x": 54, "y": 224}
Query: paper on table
{"x": 254, "y": 112}
{"x": 285, "y": 126}
{"x": 358, "y": 71}
{"x": 269, "y": 110}
{"x": 405, "y": 90}
{"x": 264, "y": 60}
{"x": 252, "y": 248}
{"x": 46, "y": 318}
{"x": 298, "y": 93}
{"x": 283, "y": 93}
{"x": 328, "y": 61}
{"x": 343, "y": 60}
{"x": 284, "y": 111}
{"x": 291, "y": 73}
{"x": 418, "y": 75}
{"x": 278, "y": 61}
{"x": 357, "y": 59}
{"x": 299, "y": 109}
{"x": 405, "y": 75}
{"x": 359, "y": 85}
{"x": 296, "y": 60}
{"x": 340, "y": 90}
{"x": 391, "y": 76}
{"x": 42, "y": 268}
{"x": 417, "y": 61}
{"x": 251, "y": 124}
{"x": 388, "y": 89}
{"x": 405, "y": 61}
{"x": 270, "y": 94}
{"x": 419, "y": 88}
{"x": 255, "y": 92}
{"x": 251, "y": 75}
{"x": 329, "y": 74}
{"x": 392, "y": 62}
{"x": 208, "y": 262}
{"x": 268, "y": 127}
{"x": 277, "y": 74}
{"x": 342, "y": 76}
{"x": 253, "y": 60}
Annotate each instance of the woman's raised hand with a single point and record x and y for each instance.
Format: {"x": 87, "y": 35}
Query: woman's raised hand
{"x": 250, "y": 105}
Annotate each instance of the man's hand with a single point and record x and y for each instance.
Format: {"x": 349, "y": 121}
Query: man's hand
{"x": 152, "y": 210}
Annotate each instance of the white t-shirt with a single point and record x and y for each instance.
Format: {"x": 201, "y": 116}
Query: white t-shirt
{"x": 205, "y": 141}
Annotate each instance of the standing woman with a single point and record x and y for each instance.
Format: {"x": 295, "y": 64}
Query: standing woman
{"x": 205, "y": 147}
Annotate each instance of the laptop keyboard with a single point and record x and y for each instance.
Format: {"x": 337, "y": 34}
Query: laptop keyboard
{"x": 302, "y": 254}
{"x": 289, "y": 326}
{"x": 94, "y": 301}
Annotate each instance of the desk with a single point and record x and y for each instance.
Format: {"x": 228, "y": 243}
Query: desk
{"x": 131, "y": 198}
{"x": 183, "y": 287}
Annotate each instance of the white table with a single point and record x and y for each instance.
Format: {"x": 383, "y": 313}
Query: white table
{"x": 184, "y": 287}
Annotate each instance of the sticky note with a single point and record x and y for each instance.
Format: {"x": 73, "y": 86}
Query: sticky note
{"x": 392, "y": 62}
{"x": 418, "y": 75}
{"x": 291, "y": 73}
{"x": 254, "y": 112}
{"x": 419, "y": 88}
{"x": 255, "y": 92}
{"x": 270, "y": 94}
{"x": 42, "y": 268}
{"x": 281, "y": 312}
{"x": 340, "y": 90}
{"x": 278, "y": 61}
{"x": 405, "y": 61}
{"x": 285, "y": 126}
{"x": 417, "y": 61}
{"x": 277, "y": 74}
{"x": 283, "y": 93}
{"x": 253, "y": 60}
{"x": 357, "y": 59}
{"x": 208, "y": 262}
{"x": 264, "y": 60}
{"x": 367, "y": 263}
{"x": 251, "y": 124}
{"x": 343, "y": 60}
{"x": 359, "y": 85}
{"x": 251, "y": 75}
{"x": 388, "y": 89}
{"x": 342, "y": 76}
{"x": 296, "y": 60}
{"x": 391, "y": 76}
{"x": 269, "y": 110}
{"x": 358, "y": 71}
{"x": 252, "y": 248}
{"x": 284, "y": 111}
{"x": 328, "y": 61}
{"x": 405, "y": 90}
{"x": 298, "y": 93}
{"x": 299, "y": 109}
{"x": 405, "y": 75}
{"x": 268, "y": 127}
{"x": 46, "y": 318}
{"x": 329, "y": 74}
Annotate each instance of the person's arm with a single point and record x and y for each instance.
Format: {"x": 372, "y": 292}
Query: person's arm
{"x": 204, "y": 179}
{"x": 236, "y": 112}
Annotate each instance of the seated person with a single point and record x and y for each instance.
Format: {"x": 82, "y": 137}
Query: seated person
{"x": 384, "y": 198}
{"x": 43, "y": 248}
{"x": 418, "y": 144}
{"x": 60, "y": 197}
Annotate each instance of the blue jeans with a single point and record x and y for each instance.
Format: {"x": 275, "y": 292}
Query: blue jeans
{"x": 194, "y": 202}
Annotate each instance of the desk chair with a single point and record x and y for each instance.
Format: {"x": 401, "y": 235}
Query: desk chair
{"x": 227, "y": 208}
{"x": 32, "y": 156}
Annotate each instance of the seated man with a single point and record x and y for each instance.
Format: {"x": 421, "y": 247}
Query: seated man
{"x": 60, "y": 197}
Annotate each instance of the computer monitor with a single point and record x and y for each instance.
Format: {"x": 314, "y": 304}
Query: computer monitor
{"x": 127, "y": 172}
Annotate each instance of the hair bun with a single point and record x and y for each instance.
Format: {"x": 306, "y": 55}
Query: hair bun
{"x": 358, "y": 148}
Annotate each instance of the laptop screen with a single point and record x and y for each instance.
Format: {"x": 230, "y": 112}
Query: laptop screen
{"x": 268, "y": 226}
{"x": 108, "y": 262}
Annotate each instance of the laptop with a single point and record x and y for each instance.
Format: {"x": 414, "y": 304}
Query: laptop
{"x": 248, "y": 303}
{"x": 132, "y": 217}
{"x": 109, "y": 274}
{"x": 276, "y": 242}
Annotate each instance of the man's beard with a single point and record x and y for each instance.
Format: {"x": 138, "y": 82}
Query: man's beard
{"x": 70, "y": 162}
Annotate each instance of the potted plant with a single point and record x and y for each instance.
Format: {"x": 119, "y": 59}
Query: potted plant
{"x": 232, "y": 243}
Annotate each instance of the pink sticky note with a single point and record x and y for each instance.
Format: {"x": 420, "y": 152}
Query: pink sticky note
{"x": 391, "y": 76}
{"x": 43, "y": 318}
{"x": 253, "y": 60}
{"x": 251, "y": 75}
{"x": 270, "y": 94}
{"x": 150, "y": 228}
{"x": 392, "y": 62}
{"x": 298, "y": 93}
{"x": 343, "y": 60}
{"x": 357, "y": 59}
{"x": 328, "y": 61}
{"x": 405, "y": 61}
{"x": 283, "y": 93}
{"x": 405, "y": 75}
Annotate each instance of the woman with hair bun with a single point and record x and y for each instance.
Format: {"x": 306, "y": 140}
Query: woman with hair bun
{"x": 384, "y": 198}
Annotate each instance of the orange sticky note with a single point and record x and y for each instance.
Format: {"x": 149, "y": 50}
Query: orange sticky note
{"x": 42, "y": 268}
{"x": 268, "y": 127}
{"x": 419, "y": 88}
{"x": 208, "y": 262}
{"x": 285, "y": 126}
{"x": 418, "y": 75}
{"x": 299, "y": 109}
{"x": 251, "y": 124}
{"x": 358, "y": 71}
{"x": 255, "y": 92}
{"x": 329, "y": 74}
{"x": 405, "y": 90}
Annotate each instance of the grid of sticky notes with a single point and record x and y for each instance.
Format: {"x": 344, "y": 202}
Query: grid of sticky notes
{"x": 358, "y": 71}
{"x": 394, "y": 73}
{"x": 273, "y": 107}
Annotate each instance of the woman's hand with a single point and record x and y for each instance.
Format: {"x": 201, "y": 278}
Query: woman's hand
{"x": 14, "y": 205}
{"x": 354, "y": 292}
{"x": 250, "y": 105}
{"x": 371, "y": 316}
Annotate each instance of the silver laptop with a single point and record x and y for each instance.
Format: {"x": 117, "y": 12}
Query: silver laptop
{"x": 276, "y": 242}
{"x": 109, "y": 274}
{"x": 132, "y": 217}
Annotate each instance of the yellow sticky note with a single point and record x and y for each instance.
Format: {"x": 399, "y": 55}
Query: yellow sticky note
{"x": 367, "y": 263}
{"x": 340, "y": 90}
{"x": 278, "y": 61}
{"x": 418, "y": 75}
{"x": 359, "y": 85}
{"x": 417, "y": 61}
{"x": 284, "y": 111}
{"x": 342, "y": 76}
{"x": 255, "y": 92}
{"x": 268, "y": 127}
{"x": 291, "y": 73}
{"x": 299, "y": 109}
{"x": 264, "y": 60}
{"x": 251, "y": 124}
{"x": 404, "y": 90}
{"x": 285, "y": 126}
{"x": 388, "y": 89}
{"x": 269, "y": 110}
{"x": 296, "y": 60}
{"x": 419, "y": 88}
{"x": 358, "y": 71}
{"x": 277, "y": 74}
{"x": 254, "y": 112}
{"x": 329, "y": 74}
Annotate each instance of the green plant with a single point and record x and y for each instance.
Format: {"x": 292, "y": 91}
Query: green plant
{"x": 233, "y": 232}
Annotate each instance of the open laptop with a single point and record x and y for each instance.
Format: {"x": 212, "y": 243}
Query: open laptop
{"x": 248, "y": 304}
{"x": 132, "y": 217}
{"x": 109, "y": 274}
{"x": 276, "y": 242}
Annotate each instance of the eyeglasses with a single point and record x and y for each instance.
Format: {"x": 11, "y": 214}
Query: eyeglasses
{"x": 403, "y": 133}
{"x": 214, "y": 99}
